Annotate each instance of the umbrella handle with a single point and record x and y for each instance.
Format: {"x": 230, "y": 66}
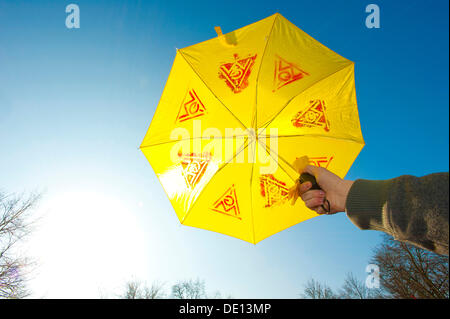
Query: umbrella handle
{"x": 305, "y": 177}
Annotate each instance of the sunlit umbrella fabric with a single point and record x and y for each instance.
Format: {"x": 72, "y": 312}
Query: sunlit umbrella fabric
{"x": 236, "y": 112}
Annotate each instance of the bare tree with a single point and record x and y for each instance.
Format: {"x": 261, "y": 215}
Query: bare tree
{"x": 186, "y": 289}
{"x": 15, "y": 225}
{"x": 410, "y": 272}
{"x": 137, "y": 290}
{"x": 155, "y": 291}
{"x": 218, "y": 295}
{"x": 132, "y": 290}
{"x": 315, "y": 290}
{"x": 356, "y": 289}
{"x": 189, "y": 289}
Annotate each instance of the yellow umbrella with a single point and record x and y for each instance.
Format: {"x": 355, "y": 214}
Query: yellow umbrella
{"x": 236, "y": 112}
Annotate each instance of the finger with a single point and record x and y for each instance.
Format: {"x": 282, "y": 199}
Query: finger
{"x": 313, "y": 194}
{"x": 319, "y": 210}
{"x": 315, "y": 203}
{"x": 304, "y": 187}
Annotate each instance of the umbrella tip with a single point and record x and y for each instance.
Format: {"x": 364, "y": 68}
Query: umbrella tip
{"x": 228, "y": 40}
{"x": 218, "y": 31}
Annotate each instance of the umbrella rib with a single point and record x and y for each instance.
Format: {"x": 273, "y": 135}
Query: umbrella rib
{"x": 251, "y": 197}
{"x": 255, "y": 125}
{"x": 193, "y": 138}
{"x": 348, "y": 139}
{"x": 265, "y": 146}
{"x": 246, "y": 136}
{"x": 290, "y": 164}
{"x": 290, "y": 100}
{"x": 259, "y": 72}
{"x": 212, "y": 92}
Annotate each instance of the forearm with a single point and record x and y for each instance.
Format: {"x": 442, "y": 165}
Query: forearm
{"x": 409, "y": 208}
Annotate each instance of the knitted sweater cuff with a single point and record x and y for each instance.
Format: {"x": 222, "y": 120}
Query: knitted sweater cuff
{"x": 364, "y": 204}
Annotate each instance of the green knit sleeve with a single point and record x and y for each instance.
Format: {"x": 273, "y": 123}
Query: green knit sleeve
{"x": 411, "y": 209}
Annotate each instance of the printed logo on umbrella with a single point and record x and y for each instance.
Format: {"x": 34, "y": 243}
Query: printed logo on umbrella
{"x": 191, "y": 107}
{"x": 236, "y": 73}
{"x": 286, "y": 73}
{"x": 227, "y": 204}
{"x": 313, "y": 116}
{"x": 321, "y": 161}
{"x": 273, "y": 190}
{"x": 194, "y": 167}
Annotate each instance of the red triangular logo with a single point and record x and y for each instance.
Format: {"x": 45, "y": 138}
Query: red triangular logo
{"x": 236, "y": 73}
{"x": 194, "y": 168}
{"x": 227, "y": 204}
{"x": 321, "y": 161}
{"x": 286, "y": 73}
{"x": 191, "y": 107}
{"x": 273, "y": 190}
{"x": 313, "y": 116}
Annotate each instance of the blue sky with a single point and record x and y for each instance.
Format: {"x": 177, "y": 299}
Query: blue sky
{"x": 75, "y": 105}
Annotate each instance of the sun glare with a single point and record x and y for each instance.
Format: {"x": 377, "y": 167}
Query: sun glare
{"x": 86, "y": 246}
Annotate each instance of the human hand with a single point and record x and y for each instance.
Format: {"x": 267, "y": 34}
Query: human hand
{"x": 334, "y": 189}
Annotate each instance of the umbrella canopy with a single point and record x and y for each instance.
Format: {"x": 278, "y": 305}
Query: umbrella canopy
{"x": 236, "y": 112}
